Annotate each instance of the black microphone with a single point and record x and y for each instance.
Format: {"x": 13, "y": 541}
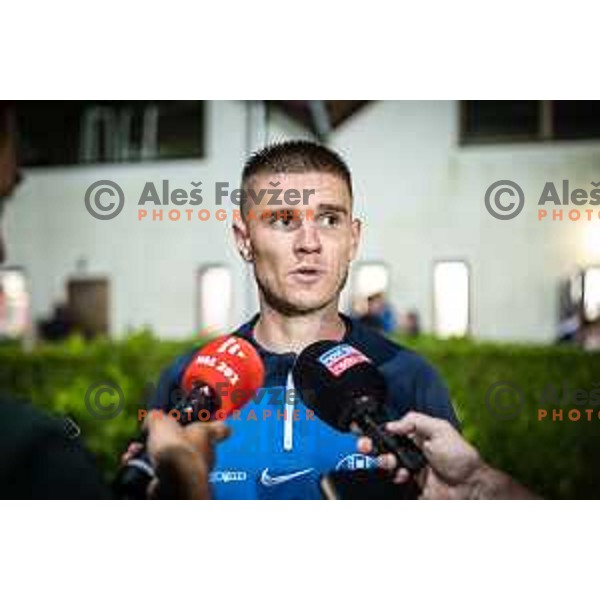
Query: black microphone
{"x": 343, "y": 386}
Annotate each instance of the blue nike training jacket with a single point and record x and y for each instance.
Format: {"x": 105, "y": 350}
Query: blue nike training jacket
{"x": 277, "y": 448}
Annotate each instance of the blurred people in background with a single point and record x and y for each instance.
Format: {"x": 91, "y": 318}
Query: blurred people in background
{"x": 380, "y": 314}
{"x": 410, "y": 324}
{"x": 569, "y": 329}
{"x": 59, "y": 326}
{"x": 577, "y": 330}
{"x": 590, "y": 335}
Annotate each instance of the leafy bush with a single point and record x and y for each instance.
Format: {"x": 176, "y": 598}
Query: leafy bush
{"x": 56, "y": 377}
{"x": 555, "y": 458}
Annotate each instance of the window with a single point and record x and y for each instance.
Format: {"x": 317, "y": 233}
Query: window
{"x": 499, "y": 121}
{"x": 369, "y": 278}
{"x": 591, "y": 293}
{"x": 14, "y": 303}
{"x": 451, "y": 298}
{"x": 214, "y": 299}
{"x": 576, "y": 119}
{"x": 84, "y": 132}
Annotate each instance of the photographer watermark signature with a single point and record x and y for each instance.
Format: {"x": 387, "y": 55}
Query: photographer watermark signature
{"x": 99, "y": 199}
{"x": 105, "y": 199}
{"x": 505, "y": 400}
{"x": 497, "y": 203}
{"x": 104, "y": 400}
{"x": 505, "y": 199}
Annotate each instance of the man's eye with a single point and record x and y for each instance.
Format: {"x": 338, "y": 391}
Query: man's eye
{"x": 281, "y": 222}
{"x": 329, "y": 219}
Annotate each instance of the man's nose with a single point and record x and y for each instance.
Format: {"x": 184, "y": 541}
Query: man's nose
{"x": 308, "y": 239}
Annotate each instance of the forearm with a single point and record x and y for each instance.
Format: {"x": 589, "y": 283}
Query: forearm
{"x": 491, "y": 484}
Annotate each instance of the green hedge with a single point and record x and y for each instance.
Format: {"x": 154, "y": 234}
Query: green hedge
{"x": 56, "y": 377}
{"x": 556, "y": 459}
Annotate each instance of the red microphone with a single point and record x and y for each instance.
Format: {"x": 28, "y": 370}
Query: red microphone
{"x": 222, "y": 377}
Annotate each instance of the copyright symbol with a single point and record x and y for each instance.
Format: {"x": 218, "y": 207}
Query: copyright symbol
{"x": 104, "y": 400}
{"x": 504, "y": 400}
{"x": 504, "y": 209}
{"x": 99, "y": 202}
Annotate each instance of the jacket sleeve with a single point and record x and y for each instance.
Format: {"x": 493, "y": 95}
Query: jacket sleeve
{"x": 413, "y": 384}
{"x": 432, "y": 396}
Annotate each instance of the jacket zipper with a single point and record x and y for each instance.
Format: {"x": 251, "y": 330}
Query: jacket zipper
{"x": 288, "y": 423}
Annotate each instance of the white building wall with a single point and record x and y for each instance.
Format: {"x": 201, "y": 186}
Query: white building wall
{"x": 152, "y": 266}
{"x": 422, "y": 199}
{"x": 420, "y": 194}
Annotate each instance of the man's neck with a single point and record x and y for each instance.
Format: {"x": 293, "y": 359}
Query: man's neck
{"x": 283, "y": 333}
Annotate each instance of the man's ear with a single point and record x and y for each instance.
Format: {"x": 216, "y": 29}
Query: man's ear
{"x": 242, "y": 240}
{"x": 356, "y": 228}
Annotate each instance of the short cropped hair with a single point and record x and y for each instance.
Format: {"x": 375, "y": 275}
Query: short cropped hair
{"x": 296, "y": 156}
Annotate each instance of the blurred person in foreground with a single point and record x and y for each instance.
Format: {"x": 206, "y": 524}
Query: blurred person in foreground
{"x": 38, "y": 457}
{"x": 455, "y": 470}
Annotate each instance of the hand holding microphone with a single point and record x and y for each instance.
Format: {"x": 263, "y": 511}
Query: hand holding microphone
{"x": 455, "y": 469}
{"x": 453, "y": 463}
{"x": 222, "y": 377}
{"x": 182, "y": 456}
{"x": 344, "y": 388}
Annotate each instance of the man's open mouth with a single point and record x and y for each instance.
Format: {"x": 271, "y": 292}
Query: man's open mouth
{"x": 307, "y": 274}
{"x": 307, "y": 270}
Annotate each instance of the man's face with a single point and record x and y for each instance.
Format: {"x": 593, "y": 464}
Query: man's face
{"x": 301, "y": 263}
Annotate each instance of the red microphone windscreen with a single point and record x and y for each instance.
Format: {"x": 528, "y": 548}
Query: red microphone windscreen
{"x": 231, "y": 367}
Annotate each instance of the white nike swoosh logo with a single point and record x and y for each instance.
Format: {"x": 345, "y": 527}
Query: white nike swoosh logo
{"x": 269, "y": 481}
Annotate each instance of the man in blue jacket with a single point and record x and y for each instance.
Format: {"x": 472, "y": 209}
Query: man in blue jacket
{"x": 300, "y": 258}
